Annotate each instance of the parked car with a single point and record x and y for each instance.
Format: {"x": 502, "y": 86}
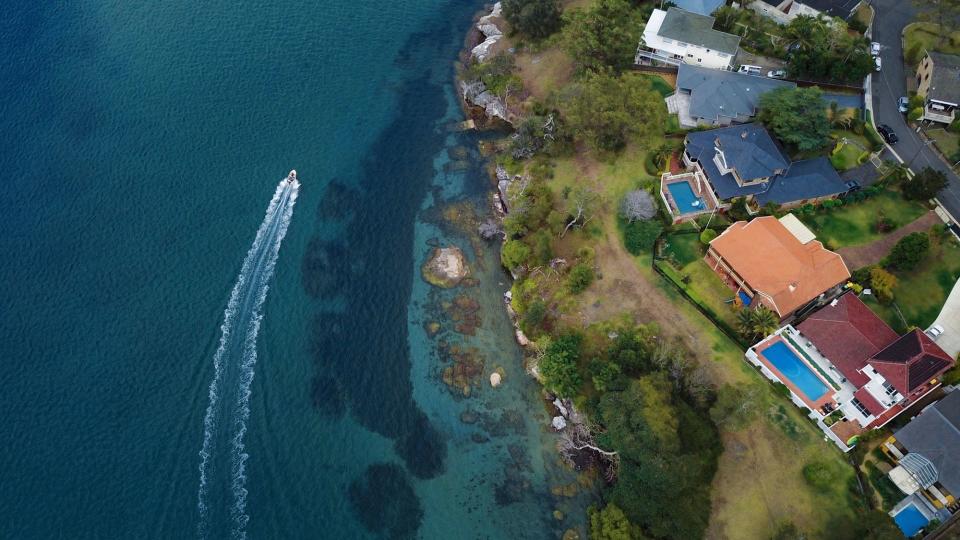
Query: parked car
{"x": 903, "y": 104}
{"x": 751, "y": 70}
{"x": 875, "y": 48}
{"x": 887, "y": 133}
{"x": 876, "y": 60}
{"x": 777, "y": 74}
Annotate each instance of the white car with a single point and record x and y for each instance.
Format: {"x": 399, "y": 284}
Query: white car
{"x": 875, "y": 48}
{"x": 876, "y": 60}
{"x": 777, "y": 74}
{"x": 903, "y": 104}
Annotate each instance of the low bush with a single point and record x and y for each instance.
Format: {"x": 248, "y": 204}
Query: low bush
{"x": 581, "y": 276}
{"x": 707, "y": 236}
{"x": 820, "y": 474}
{"x": 639, "y": 236}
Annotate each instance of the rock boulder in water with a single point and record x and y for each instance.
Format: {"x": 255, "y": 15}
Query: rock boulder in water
{"x": 446, "y": 267}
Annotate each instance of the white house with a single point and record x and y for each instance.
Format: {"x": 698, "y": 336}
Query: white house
{"x": 678, "y": 36}
{"x": 784, "y": 11}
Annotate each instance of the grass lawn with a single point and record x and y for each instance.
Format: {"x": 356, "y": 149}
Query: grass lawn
{"x": 685, "y": 248}
{"x": 921, "y": 293}
{"x": 928, "y": 35}
{"x": 659, "y": 84}
{"x": 854, "y": 224}
{"x": 846, "y": 157}
{"x": 948, "y": 143}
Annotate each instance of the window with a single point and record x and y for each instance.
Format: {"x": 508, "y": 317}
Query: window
{"x": 863, "y": 410}
{"x": 889, "y": 388}
{"x": 699, "y": 59}
{"x": 689, "y": 55}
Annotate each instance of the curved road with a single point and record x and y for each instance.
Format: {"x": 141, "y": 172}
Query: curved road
{"x": 890, "y": 84}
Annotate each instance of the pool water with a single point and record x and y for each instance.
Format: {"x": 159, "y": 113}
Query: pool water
{"x": 686, "y": 199}
{"x": 784, "y": 359}
{"x": 910, "y": 520}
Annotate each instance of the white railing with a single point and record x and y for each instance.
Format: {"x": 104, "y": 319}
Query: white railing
{"x": 937, "y": 117}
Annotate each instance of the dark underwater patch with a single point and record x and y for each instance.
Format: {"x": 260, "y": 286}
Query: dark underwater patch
{"x": 327, "y": 395}
{"x": 338, "y": 203}
{"x": 324, "y": 267}
{"x": 385, "y": 503}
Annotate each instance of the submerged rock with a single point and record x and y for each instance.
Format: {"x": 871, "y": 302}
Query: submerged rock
{"x": 495, "y": 379}
{"x": 385, "y": 503}
{"x": 446, "y": 267}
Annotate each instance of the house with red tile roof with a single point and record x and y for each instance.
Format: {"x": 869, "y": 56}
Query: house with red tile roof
{"x": 773, "y": 264}
{"x": 850, "y": 368}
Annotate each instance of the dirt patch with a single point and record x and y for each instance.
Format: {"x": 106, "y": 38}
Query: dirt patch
{"x": 874, "y": 252}
{"x": 545, "y": 71}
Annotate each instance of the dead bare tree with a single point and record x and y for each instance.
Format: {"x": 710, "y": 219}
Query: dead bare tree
{"x": 576, "y": 438}
{"x": 583, "y": 200}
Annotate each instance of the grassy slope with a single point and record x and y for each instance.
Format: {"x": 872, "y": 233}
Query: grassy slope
{"x": 854, "y": 225}
{"x": 928, "y": 34}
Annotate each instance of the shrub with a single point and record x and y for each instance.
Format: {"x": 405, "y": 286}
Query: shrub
{"x": 559, "y": 365}
{"x": 914, "y": 52}
{"x": 909, "y": 251}
{"x": 581, "y": 276}
{"x": 882, "y": 284}
{"x": 639, "y": 236}
{"x": 954, "y": 126}
{"x": 915, "y": 114}
{"x": 514, "y": 254}
{"x": 819, "y": 474}
{"x": 536, "y": 313}
{"x": 534, "y": 18}
{"x": 707, "y": 236}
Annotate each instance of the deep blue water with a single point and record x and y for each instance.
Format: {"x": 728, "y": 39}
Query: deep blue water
{"x": 142, "y": 143}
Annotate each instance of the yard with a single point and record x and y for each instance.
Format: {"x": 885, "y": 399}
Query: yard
{"x": 948, "y": 143}
{"x": 686, "y": 268}
{"x": 845, "y": 156}
{"x": 924, "y": 35}
{"x": 855, "y": 224}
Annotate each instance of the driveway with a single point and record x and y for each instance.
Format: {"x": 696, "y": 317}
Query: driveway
{"x": 874, "y": 252}
{"x": 890, "y": 84}
{"x": 949, "y": 319}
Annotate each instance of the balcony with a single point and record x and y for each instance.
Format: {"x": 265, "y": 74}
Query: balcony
{"x": 935, "y": 115}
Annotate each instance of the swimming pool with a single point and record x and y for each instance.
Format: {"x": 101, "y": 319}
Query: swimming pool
{"x": 686, "y": 200}
{"x": 910, "y": 520}
{"x": 787, "y": 363}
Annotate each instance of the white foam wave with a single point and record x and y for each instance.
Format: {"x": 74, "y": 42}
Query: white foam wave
{"x": 244, "y": 308}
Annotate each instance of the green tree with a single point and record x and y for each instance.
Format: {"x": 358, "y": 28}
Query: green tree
{"x": 925, "y": 185}
{"x": 558, "y": 366}
{"x": 882, "y": 284}
{"x": 908, "y": 252}
{"x": 604, "y": 374}
{"x": 581, "y": 276}
{"x": 606, "y": 111}
{"x": 514, "y": 254}
{"x": 736, "y": 406}
{"x": 823, "y": 49}
{"x": 707, "y": 236}
{"x": 639, "y": 236}
{"x": 534, "y": 316}
{"x": 796, "y": 116}
{"x": 603, "y": 36}
{"x": 765, "y": 321}
{"x": 610, "y": 523}
{"x": 536, "y": 19}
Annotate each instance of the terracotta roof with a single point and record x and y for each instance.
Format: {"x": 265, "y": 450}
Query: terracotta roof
{"x": 848, "y": 333}
{"x": 775, "y": 264}
{"x": 911, "y": 361}
{"x": 871, "y": 404}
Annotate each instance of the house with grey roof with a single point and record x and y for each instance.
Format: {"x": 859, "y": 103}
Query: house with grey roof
{"x": 718, "y": 98}
{"x": 938, "y": 83}
{"x": 678, "y": 36}
{"x": 745, "y": 161}
{"x": 784, "y": 11}
{"x": 927, "y": 452}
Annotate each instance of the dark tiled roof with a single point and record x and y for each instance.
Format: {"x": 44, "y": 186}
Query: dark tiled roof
{"x": 715, "y": 93}
{"x": 697, "y": 29}
{"x": 911, "y": 361}
{"x": 806, "y": 179}
{"x": 871, "y": 404}
{"x": 935, "y": 435}
{"x": 848, "y": 334}
{"x": 748, "y": 148}
{"x": 945, "y": 84}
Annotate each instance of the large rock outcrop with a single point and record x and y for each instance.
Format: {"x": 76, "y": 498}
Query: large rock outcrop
{"x": 446, "y": 267}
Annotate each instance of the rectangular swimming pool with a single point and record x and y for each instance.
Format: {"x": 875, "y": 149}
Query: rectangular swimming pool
{"x": 793, "y": 368}
{"x": 910, "y": 520}
{"x": 685, "y": 198}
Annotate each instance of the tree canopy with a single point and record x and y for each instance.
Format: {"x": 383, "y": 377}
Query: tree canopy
{"x": 608, "y": 110}
{"x": 824, "y": 50}
{"x": 604, "y": 36}
{"x": 558, "y": 366}
{"x": 908, "y": 252}
{"x": 925, "y": 185}
{"x": 797, "y": 116}
{"x": 536, "y": 19}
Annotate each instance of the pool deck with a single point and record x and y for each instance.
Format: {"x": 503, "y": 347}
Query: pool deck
{"x": 700, "y": 187}
{"x": 816, "y": 405}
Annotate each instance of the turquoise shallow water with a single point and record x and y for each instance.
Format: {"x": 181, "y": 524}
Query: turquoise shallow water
{"x": 143, "y": 143}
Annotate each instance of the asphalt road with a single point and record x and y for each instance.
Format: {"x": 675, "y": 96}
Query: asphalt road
{"x": 890, "y": 83}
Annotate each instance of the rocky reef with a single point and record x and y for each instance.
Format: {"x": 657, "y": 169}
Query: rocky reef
{"x": 446, "y": 267}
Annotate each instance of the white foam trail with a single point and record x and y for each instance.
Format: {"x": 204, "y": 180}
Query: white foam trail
{"x": 243, "y": 314}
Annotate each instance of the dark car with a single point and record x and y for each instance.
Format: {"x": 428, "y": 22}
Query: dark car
{"x": 887, "y": 133}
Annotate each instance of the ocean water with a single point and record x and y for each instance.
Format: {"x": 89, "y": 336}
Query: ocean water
{"x": 142, "y": 145}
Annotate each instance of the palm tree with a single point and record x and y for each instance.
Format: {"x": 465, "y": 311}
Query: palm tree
{"x": 745, "y": 322}
{"x": 765, "y": 321}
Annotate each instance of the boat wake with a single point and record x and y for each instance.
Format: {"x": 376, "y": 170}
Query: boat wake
{"x": 222, "y": 495}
